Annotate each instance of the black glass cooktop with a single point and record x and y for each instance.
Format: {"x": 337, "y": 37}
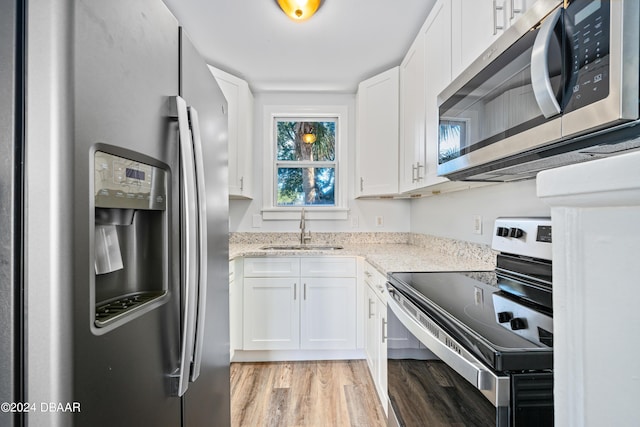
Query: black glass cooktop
{"x": 462, "y": 304}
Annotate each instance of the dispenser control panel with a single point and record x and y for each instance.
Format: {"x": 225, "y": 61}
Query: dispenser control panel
{"x": 128, "y": 184}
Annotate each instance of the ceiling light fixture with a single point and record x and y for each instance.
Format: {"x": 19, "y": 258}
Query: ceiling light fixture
{"x": 308, "y": 138}
{"x": 299, "y": 10}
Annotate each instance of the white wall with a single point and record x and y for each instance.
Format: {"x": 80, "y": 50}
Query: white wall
{"x": 446, "y": 215}
{"x": 395, "y": 213}
{"x": 452, "y": 214}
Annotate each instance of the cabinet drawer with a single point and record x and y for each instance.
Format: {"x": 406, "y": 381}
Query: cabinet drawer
{"x": 374, "y": 279}
{"x": 328, "y": 267}
{"x": 272, "y": 267}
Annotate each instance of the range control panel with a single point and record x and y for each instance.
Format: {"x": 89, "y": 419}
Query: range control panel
{"x": 528, "y": 236}
{"x": 530, "y": 324}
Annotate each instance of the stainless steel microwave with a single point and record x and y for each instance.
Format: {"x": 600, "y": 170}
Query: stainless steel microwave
{"x": 560, "y": 86}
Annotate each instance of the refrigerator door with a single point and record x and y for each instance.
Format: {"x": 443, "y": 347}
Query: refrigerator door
{"x": 11, "y": 148}
{"x": 207, "y": 400}
{"x": 101, "y": 77}
{"x": 125, "y": 74}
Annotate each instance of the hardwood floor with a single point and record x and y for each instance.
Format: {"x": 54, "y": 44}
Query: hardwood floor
{"x": 428, "y": 392}
{"x": 316, "y": 393}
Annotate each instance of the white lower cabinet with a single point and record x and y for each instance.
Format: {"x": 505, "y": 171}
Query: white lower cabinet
{"x": 299, "y": 303}
{"x": 327, "y": 314}
{"x": 271, "y": 313}
{"x": 376, "y": 330}
{"x": 235, "y": 307}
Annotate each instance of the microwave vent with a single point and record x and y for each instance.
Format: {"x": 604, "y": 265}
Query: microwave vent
{"x": 527, "y": 165}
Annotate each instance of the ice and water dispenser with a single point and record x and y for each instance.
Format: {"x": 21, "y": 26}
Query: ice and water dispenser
{"x": 130, "y": 238}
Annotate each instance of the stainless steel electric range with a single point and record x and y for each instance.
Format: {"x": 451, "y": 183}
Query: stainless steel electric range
{"x": 476, "y": 348}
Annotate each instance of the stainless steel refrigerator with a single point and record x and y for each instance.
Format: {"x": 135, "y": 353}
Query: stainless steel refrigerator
{"x": 113, "y": 219}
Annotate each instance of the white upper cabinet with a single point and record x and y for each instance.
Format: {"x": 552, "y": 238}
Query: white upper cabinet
{"x": 477, "y": 24}
{"x": 438, "y": 53}
{"x": 412, "y": 116}
{"x": 377, "y": 135}
{"x": 424, "y": 72}
{"x": 240, "y": 104}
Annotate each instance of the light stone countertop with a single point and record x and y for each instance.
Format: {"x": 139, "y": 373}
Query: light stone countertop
{"x": 419, "y": 253}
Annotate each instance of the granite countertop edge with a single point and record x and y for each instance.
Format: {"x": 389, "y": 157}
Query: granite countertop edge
{"x": 385, "y": 257}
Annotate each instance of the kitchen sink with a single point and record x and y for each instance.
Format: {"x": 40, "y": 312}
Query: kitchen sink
{"x": 302, "y": 247}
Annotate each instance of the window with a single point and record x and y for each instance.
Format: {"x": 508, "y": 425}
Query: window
{"x": 452, "y": 139}
{"x": 303, "y": 163}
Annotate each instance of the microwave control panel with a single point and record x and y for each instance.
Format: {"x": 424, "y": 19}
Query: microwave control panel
{"x": 587, "y": 24}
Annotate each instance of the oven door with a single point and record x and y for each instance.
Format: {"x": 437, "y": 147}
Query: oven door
{"x": 434, "y": 381}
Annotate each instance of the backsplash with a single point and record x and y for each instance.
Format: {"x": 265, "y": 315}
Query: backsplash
{"x": 455, "y": 248}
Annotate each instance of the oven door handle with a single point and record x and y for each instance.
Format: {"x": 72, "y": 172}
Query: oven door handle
{"x": 471, "y": 370}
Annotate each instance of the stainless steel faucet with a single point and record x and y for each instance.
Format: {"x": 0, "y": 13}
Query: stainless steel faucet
{"x": 305, "y": 236}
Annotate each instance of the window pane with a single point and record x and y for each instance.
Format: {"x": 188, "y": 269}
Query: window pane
{"x": 306, "y": 187}
{"x": 452, "y": 138}
{"x": 306, "y": 140}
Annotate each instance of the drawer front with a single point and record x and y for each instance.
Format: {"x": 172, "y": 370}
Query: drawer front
{"x": 374, "y": 279}
{"x": 272, "y": 267}
{"x": 328, "y": 267}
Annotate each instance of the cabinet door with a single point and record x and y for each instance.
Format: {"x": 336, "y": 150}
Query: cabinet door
{"x": 438, "y": 54}
{"x": 328, "y": 314}
{"x": 412, "y": 116}
{"x": 235, "y": 308}
{"x": 271, "y": 318}
{"x": 516, "y": 8}
{"x": 377, "y": 135}
{"x": 381, "y": 381}
{"x": 240, "y": 105}
{"x": 477, "y": 24}
{"x": 371, "y": 343}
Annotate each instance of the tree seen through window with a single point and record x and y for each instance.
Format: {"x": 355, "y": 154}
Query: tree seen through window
{"x": 305, "y": 162}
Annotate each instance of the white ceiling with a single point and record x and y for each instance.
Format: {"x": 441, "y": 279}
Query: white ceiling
{"x": 345, "y": 42}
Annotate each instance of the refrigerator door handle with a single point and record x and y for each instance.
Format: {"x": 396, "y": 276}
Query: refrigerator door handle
{"x": 202, "y": 244}
{"x": 188, "y": 244}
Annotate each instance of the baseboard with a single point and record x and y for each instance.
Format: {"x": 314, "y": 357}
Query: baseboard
{"x": 295, "y": 355}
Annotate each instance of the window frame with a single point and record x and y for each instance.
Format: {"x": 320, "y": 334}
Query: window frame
{"x": 272, "y": 113}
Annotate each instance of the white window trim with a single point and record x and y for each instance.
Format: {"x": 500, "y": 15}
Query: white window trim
{"x": 337, "y": 212}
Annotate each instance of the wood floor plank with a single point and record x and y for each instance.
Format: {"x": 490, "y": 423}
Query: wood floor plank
{"x": 304, "y": 394}
{"x": 277, "y": 408}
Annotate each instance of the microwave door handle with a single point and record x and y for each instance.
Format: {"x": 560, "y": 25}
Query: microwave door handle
{"x": 540, "y": 80}
{"x": 188, "y": 239}
{"x": 202, "y": 244}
